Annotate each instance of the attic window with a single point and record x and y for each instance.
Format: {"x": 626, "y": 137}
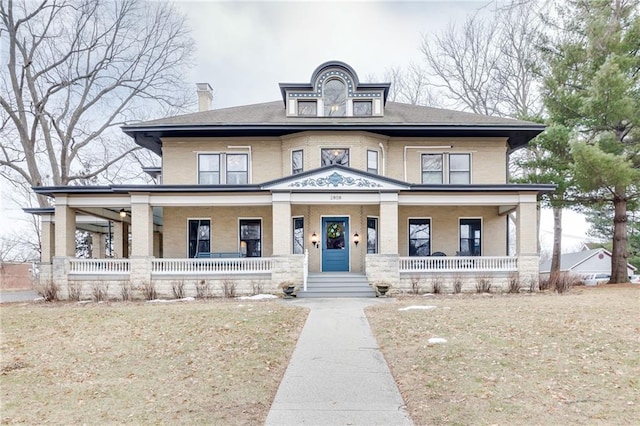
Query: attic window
{"x": 308, "y": 108}
{"x": 335, "y": 98}
{"x": 362, "y": 108}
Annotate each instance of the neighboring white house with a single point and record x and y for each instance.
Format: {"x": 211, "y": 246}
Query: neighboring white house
{"x": 595, "y": 261}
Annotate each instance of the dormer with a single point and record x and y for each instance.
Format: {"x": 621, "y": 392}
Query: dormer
{"x": 334, "y": 91}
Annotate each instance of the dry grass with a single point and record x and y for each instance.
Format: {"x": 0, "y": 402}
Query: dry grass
{"x": 196, "y": 363}
{"x": 517, "y": 359}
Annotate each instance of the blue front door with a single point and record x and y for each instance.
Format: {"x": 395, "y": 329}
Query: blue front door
{"x": 335, "y": 244}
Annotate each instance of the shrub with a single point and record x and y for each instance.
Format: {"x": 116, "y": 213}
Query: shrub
{"x": 457, "y": 284}
{"x": 257, "y": 287}
{"x": 514, "y": 283}
{"x": 99, "y": 292}
{"x": 483, "y": 285}
{"x": 48, "y": 291}
{"x": 148, "y": 289}
{"x": 545, "y": 284}
{"x": 229, "y": 288}
{"x": 561, "y": 281}
{"x": 126, "y": 291}
{"x": 177, "y": 288}
{"x": 203, "y": 290}
{"x": 436, "y": 284}
{"x": 75, "y": 290}
{"x": 415, "y": 284}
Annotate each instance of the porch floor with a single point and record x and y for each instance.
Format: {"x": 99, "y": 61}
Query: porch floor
{"x": 336, "y": 284}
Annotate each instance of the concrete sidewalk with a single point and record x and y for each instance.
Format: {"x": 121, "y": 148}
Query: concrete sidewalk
{"x": 337, "y": 375}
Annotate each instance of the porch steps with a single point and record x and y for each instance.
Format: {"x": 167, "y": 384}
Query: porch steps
{"x": 337, "y": 284}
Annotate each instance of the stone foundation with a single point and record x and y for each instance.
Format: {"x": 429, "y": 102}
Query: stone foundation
{"x": 383, "y": 268}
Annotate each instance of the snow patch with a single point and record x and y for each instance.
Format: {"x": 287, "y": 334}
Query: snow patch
{"x": 437, "y": 340}
{"x": 418, "y": 307}
{"x": 184, "y": 299}
{"x": 258, "y": 297}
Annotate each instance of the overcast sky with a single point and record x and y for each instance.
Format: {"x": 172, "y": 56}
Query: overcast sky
{"x": 244, "y": 49}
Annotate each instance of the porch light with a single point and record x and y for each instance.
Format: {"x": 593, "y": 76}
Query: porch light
{"x": 123, "y": 213}
{"x": 314, "y": 240}
{"x": 356, "y": 239}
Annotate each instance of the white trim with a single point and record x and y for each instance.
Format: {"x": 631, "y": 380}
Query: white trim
{"x": 409, "y": 232}
{"x": 204, "y": 200}
{"x": 407, "y": 147}
{"x": 223, "y": 162}
{"x": 481, "y": 231}
{"x": 239, "y": 218}
{"x": 291, "y": 151}
{"x": 377, "y": 161}
{"x": 347, "y": 240}
{"x": 462, "y": 199}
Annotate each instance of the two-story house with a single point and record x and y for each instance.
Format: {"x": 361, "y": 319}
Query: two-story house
{"x": 330, "y": 181}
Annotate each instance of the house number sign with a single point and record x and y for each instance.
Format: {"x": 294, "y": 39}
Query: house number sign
{"x": 336, "y": 197}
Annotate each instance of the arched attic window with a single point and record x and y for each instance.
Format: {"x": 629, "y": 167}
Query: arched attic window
{"x": 335, "y": 98}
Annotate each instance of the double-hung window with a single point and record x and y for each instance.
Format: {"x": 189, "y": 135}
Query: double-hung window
{"x": 372, "y": 162}
{"x": 419, "y": 237}
{"x": 223, "y": 168}
{"x": 470, "y": 237}
{"x": 297, "y": 163}
{"x": 446, "y": 168}
{"x": 459, "y": 168}
{"x": 432, "y": 168}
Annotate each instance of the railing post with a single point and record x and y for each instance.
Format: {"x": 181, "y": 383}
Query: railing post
{"x": 305, "y": 269}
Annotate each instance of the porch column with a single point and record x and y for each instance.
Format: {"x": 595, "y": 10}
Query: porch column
{"x": 141, "y": 226}
{"x": 388, "y": 223}
{"x": 65, "y": 229}
{"x": 527, "y": 241}
{"x": 120, "y": 240}
{"x": 97, "y": 245}
{"x": 282, "y": 226}
{"x": 47, "y": 237}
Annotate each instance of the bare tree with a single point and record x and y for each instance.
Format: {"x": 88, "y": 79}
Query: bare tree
{"x": 487, "y": 65}
{"x": 74, "y": 71}
{"x": 409, "y": 85}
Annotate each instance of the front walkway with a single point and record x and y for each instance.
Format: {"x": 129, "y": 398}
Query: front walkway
{"x": 337, "y": 375}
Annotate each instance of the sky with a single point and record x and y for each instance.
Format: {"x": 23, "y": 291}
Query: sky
{"x": 244, "y": 49}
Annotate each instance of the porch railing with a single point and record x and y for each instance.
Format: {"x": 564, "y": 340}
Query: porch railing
{"x": 99, "y": 266}
{"x": 459, "y": 264}
{"x": 305, "y": 269}
{"x": 245, "y": 265}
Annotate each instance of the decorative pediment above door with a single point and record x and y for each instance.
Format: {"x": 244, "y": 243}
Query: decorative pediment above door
{"x": 335, "y": 177}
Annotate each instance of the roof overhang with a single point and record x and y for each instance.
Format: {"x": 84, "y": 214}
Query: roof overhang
{"x": 150, "y": 136}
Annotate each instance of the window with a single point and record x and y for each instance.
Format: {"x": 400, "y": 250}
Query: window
{"x": 308, "y": 108}
{"x": 459, "y": 169}
{"x": 209, "y": 169}
{"x": 334, "y": 156}
{"x": 432, "y": 168}
{"x": 335, "y": 98}
{"x": 251, "y": 236}
{"x": 362, "y": 108}
{"x": 470, "y": 237}
{"x": 297, "y": 162}
{"x": 419, "y": 237}
{"x": 372, "y": 235}
{"x": 372, "y": 162}
{"x": 220, "y": 169}
{"x": 199, "y": 231}
{"x": 298, "y": 235}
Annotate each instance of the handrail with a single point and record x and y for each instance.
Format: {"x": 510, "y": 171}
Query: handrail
{"x": 305, "y": 269}
{"x": 99, "y": 266}
{"x": 459, "y": 264}
{"x": 245, "y": 265}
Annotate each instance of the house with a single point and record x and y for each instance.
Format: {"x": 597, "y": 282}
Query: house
{"x": 331, "y": 179}
{"x": 585, "y": 262}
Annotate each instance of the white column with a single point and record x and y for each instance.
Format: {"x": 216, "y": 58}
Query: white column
{"x": 97, "y": 245}
{"x": 65, "y": 229}
{"x": 141, "y": 226}
{"x": 120, "y": 237}
{"x": 388, "y": 233}
{"x": 282, "y": 225}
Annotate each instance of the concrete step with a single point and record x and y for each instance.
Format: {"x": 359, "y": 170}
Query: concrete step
{"x": 336, "y": 284}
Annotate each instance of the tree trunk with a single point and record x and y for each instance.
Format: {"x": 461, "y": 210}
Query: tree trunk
{"x": 619, "y": 253}
{"x": 557, "y": 240}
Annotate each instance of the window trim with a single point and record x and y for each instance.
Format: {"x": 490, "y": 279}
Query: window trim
{"x": 293, "y": 236}
{"x": 409, "y": 219}
{"x": 240, "y": 219}
{"x": 189, "y": 219}
{"x": 360, "y": 100}
{"x": 292, "y": 169}
{"x": 336, "y": 148}
{"x": 449, "y": 154}
{"x": 223, "y": 165}
{"x": 346, "y": 96}
{"x": 310, "y": 101}
{"x": 446, "y": 167}
{"x": 442, "y": 171}
{"x": 377, "y": 172}
{"x": 377, "y": 248}
{"x": 199, "y": 171}
{"x": 481, "y": 219}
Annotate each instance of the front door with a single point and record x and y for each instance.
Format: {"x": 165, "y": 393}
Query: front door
{"x": 335, "y": 244}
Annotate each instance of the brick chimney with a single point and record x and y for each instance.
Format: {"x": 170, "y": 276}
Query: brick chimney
{"x": 205, "y": 96}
